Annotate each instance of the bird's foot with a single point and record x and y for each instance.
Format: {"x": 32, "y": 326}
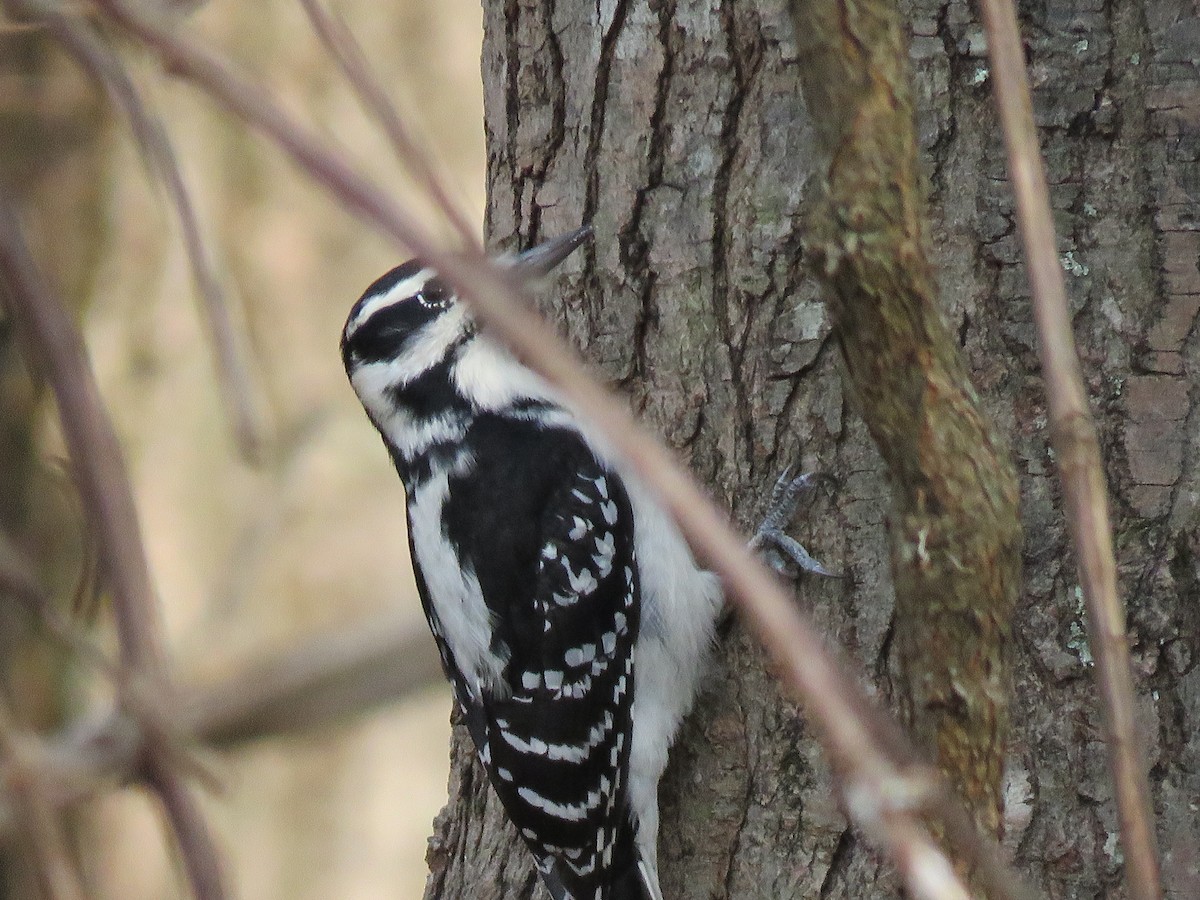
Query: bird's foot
{"x": 783, "y": 553}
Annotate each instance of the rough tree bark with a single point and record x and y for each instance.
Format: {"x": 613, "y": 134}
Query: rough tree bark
{"x": 677, "y": 129}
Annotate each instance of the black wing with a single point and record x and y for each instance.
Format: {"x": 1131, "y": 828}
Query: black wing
{"x": 553, "y": 548}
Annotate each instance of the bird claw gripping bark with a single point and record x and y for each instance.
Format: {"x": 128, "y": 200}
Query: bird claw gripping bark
{"x": 783, "y": 553}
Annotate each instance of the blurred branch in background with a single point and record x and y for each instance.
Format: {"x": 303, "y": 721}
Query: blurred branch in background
{"x": 19, "y": 582}
{"x": 309, "y": 688}
{"x": 23, "y": 774}
{"x": 52, "y": 340}
{"x": 314, "y": 685}
{"x": 268, "y": 699}
{"x": 242, "y": 396}
{"x": 354, "y": 65}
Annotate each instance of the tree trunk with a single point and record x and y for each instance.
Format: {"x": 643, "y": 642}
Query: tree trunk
{"x": 679, "y": 132}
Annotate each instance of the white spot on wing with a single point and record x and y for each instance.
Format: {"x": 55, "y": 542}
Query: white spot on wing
{"x": 578, "y": 656}
{"x": 605, "y": 551}
{"x": 582, "y": 583}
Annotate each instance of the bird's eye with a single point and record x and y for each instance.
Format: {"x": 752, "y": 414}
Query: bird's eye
{"x": 435, "y": 295}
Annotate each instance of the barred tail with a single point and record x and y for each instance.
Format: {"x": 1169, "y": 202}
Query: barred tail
{"x": 626, "y": 877}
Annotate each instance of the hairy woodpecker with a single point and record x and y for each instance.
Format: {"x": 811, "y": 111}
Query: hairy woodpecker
{"x": 572, "y": 619}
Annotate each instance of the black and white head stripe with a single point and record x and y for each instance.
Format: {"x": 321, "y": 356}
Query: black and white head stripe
{"x": 393, "y": 322}
{"x": 414, "y": 359}
{"x": 399, "y": 304}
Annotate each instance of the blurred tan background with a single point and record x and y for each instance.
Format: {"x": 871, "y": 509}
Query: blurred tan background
{"x": 250, "y": 560}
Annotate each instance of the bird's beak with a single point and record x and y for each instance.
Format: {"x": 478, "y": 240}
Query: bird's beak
{"x": 540, "y": 260}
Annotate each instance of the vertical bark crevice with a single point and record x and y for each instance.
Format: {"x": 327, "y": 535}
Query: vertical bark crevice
{"x": 608, "y": 44}
{"x": 837, "y": 864}
{"x": 722, "y": 233}
{"x": 634, "y": 244}
{"x": 553, "y": 68}
{"x": 512, "y": 101}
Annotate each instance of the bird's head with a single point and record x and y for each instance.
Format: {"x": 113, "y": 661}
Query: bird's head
{"x": 407, "y": 330}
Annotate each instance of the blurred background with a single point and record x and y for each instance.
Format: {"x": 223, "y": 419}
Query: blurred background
{"x": 250, "y": 559}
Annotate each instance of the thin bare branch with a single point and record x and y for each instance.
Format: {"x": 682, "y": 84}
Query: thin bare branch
{"x": 90, "y": 758}
{"x": 49, "y": 336}
{"x": 1073, "y": 435}
{"x": 312, "y": 686}
{"x": 330, "y": 678}
{"x": 240, "y": 394}
{"x": 926, "y": 871}
{"x": 190, "y": 60}
{"x": 197, "y": 849}
{"x": 17, "y": 19}
{"x": 17, "y": 580}
{"x": 354, "y": 65}
{"x": 831, "y": 696}
{"x": 23, "y": 779}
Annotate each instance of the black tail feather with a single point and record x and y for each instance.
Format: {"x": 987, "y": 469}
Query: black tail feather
{"x": 626, "y": 883}
{"x": 623, "y": 881}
